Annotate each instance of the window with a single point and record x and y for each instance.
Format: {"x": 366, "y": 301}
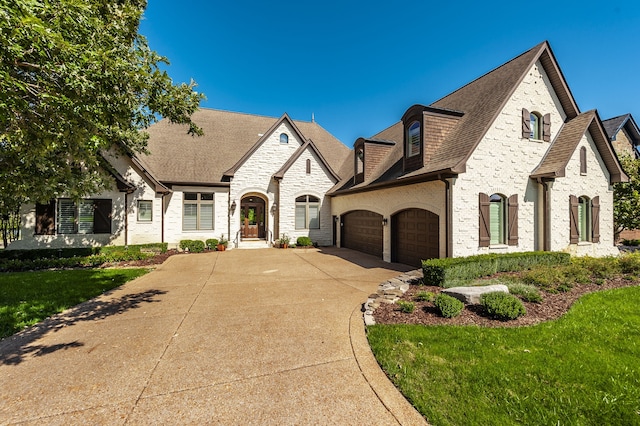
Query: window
{"x": 360, "y": 161}
{"x": 498, "y": 220}
{"x": 284, "y": 138}
{"x": 84, "y": 217}
{"x": 413, "y": 140}
{"x": 307, "y": 212}
{"x": 308, "y": 166}
{"x": 197, "y": 211}
{"x": 535, "y": 122}
{"x": 145, "y": 210}
{"x": 584, "y": 219}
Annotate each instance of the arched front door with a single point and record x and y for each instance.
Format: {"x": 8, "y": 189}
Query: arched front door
{"x": 252, "y": 217}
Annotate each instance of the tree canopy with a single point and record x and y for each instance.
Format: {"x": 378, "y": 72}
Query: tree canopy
{"x": 626, "y": 197}
{"x": 77, "y": 79}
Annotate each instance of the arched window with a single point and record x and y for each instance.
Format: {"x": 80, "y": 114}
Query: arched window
{"x": 284, "y": 138}
{"x": 360, "y": 160}
{"x": 413, "y": 140}
{"x": 308, "y": 166}
{"x": 307, "y": 212}
{"x": 536, "y": 125}
{"x": 497, "y": 219}
{"x": 584, "y": 218}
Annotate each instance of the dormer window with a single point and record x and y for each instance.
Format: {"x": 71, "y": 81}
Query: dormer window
{"x": 413, "y": 140}
{"x": 359, "y": 164}
{"x": 284, "y": 138}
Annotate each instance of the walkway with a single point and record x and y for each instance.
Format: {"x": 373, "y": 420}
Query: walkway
{"x": 256, "y": 337}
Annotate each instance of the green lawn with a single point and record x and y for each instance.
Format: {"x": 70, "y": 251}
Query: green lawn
{"x": 27, "y": 298}
{"x": 583, "y": 369}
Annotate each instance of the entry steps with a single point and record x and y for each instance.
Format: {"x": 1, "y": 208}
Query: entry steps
{"x": 253, "y": 243}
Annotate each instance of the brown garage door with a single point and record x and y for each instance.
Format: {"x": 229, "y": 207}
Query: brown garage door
{"x": 415, "y": 236}
{"x": 362, "y": 231}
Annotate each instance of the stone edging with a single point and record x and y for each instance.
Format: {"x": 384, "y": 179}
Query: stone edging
{"x": 389, "y": 292}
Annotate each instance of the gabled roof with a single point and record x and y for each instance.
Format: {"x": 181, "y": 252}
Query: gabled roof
{"x": 613, "y": 125}
{"x": 555, "y": 161}
{"x": 307, "y": 145}
{"x": 176, "y": 157}
{"x": 483, "y": 99}
{"x": 480, "y": 102}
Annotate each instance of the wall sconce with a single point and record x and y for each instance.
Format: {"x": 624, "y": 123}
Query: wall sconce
{"x": 233, "y": 206}
{"x": 274, "y": 207}
{"x": 384, "y": 221}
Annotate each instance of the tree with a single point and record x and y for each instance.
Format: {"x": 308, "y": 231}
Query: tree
{"x": 626, "y": 197}
{"x": 76, "y": 80}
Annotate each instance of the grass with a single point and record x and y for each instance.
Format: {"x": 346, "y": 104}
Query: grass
{"x": 27, "y": 298}
{"x": 579, "y": 370}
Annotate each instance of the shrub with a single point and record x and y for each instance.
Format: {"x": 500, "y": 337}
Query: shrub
{"x": 425, "y": 296}
{"x": 304, "y": 242}
{"x": 406, "y": 307}
{"x": 547, "y": 278}
{"x": 449, "y": 271}
{"x": 599, "y": 267}
{"x": 527, "y": 292}
{"x": 503, "y": 306}
{"x": 211, "y": 243}
{"x": 193, "y": 246}
{"x": 448, "y": 306}
{"x": 630, "y": 242}
{"x": 630, "y": 263}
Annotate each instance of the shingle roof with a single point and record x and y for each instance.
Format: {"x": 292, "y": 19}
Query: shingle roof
{"x": 613, "y": 125}
{"x": 176, "y": 156}
{"x": 564, "y": 145}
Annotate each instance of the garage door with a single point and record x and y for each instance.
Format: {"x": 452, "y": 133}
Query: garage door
{"x": 362, "y": 231}
{"x": 415, "y": 236}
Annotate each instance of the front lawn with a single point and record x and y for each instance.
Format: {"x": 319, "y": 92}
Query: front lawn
{"x": 27, "y": 298}
{"x": 581, "y": 369}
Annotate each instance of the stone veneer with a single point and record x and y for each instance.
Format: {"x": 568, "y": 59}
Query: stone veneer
{"x": 389, "y": 292}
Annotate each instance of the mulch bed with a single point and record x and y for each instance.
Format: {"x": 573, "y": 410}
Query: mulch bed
{"x": 158, "y": 259}
{"x": 553, "y": 306}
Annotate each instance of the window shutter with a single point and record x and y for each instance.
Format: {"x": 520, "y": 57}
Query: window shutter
{"x": 46, "y": 218}
{"x": 595, "y": 219}
{"x": 583, "y": 160}
{"x": 574, "y": 223}
{"x": 102, "y": 216}
{"x": 526, "y": 123}
{"x": 546, "y": 128}
{"x": 513, "y": 220}
{"x": 485, "y": 236}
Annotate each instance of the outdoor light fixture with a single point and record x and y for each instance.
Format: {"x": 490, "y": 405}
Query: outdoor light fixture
{"x": 233, "y": 205}
{"x": 384, "y": 221}
{"x": 274, "y": 207}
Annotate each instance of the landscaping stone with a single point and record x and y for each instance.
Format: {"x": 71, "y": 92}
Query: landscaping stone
{"x": 472, "y": 295}
{"x": 389, "y": 292}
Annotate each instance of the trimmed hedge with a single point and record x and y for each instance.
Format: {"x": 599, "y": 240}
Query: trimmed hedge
{"x": 193, "y": 246}
{"x": 71, "y": 252}
{"x": 454, "y": 271}
{"x": 304, "y": 242}
{"x": 211, "y": 243}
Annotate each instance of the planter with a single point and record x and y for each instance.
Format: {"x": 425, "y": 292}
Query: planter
{"x": 221, "y": 247}
{"x": 284, "y": 245}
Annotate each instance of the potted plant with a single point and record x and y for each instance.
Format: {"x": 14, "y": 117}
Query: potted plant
{"x": 222, "y": 243}
{"x": 284, "y": 241}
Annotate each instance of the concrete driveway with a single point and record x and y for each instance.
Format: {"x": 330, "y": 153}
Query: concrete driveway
{"x": 239, "y": 337}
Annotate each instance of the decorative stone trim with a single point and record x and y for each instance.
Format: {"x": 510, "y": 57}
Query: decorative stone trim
{"x": 389, "y": 292}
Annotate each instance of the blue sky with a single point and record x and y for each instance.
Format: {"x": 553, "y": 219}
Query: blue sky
{"x": 358, "y": 65}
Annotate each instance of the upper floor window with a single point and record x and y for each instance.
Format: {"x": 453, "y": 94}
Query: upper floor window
{"x": 413, "y": 140}
{"x": 197, "y": 211}
{"x": 284, "y": 138}
{"x": 360, "y": 160}
{"x": 535, "y": 123}
{"x": 307, "y": 212}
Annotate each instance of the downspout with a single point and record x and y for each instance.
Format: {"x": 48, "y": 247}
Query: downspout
{"x": 126, "y": 219}
{"x": 276, "y": 213}
{"x": 229, "y": 218}
{"x": 546, "y": 215}
{"x": 162, "y": 219}
{"x": 447, "y": 215}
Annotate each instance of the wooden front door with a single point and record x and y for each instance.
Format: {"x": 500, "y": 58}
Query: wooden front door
{"x": 252, "y": 223}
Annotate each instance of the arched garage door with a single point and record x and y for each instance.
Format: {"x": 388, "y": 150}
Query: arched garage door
{"x": 362, "y": 231}
{"x": 415, "y": 236}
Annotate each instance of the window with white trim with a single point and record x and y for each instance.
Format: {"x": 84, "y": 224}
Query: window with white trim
{"x": 307, "y": 212}
{"x": 197, "y": 211}
{"x": 145, "y": 210}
